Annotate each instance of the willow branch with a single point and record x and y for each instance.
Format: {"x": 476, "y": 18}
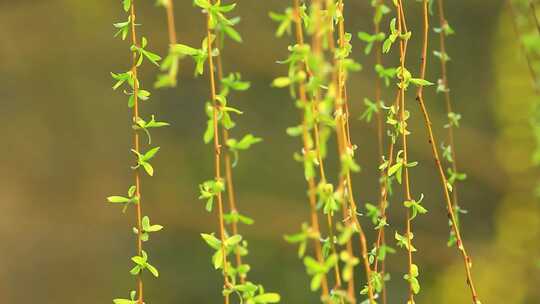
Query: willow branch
{"x": 136, "y": 145}
{"x": 451, "y": 212}
{"x": 444, "y": 79}
{"x": 231, "y": 195}
{"x": 344, "y": 146}
{"x": 380, "y": 135}
{"x": 406, "y": 182}
{"x": 305, "y": 139}
{"x": 217, "y": 151}
{"x": 171, "y": 28}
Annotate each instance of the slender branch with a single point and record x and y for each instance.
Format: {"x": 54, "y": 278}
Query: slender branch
{"x": 305, "y": 138}
{"x": 390, "y": 159}
{"x": 451, "y": 212}
{"x": 342, "y": 179}
{"x": 406, "y": 182}
{"x": 217, "y": 151}
{"x": 380, "y": 134}
{"x": 136, "y": 144}
{"x": 231, "y": 196}
{"x": 444, "y": 79}
{"x": 385, "y": 187}
{"x": 344, "y": 146}
{"x": 170, "y": 22}
{"x": 317, "y": 51}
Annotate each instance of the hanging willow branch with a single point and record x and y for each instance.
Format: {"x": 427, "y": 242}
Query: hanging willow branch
{"x": 311, "y": 152}
{"x": 375, "y": 107}
{"x": 338, "y": 90}
{"x": 444, "y": 182}
{"x": 449, "y": 152}
{"x": 220, "y": 120}
{"x": 142, "y": 228}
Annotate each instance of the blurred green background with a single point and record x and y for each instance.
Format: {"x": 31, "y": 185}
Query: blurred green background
{"x": 67, "y": 138}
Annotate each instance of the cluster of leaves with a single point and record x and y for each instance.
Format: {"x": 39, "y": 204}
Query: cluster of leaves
{"x": 135, "y": 92}
{"x": 131, "y": 198}
{"x": 209, "y": 190}
{"x": 247, "y": 292}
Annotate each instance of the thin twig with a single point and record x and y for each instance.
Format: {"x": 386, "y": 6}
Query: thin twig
{"x": 380, "y": 134}
{"x": 451, "y": 214}
{"x": 217, "y": 151}
{"x": 317, "y": 51}
{"x": 406, "y": 182}
{"x": 305, "y": 139}
{"x": 444, "y": 78}
{"x": 228, "y": 167}
{"x": 170, "y": 22}
{"x": 345, "y": 145}
{"x": 136, "y": 144}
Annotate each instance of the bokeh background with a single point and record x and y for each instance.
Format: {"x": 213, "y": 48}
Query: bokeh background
{"x": 66, "y": 138}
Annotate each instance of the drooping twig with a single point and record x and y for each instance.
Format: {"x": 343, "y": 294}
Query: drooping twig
{"x": 346, "y": 148}
{"x": 217, "y": 150}
{"x": 306, "y": 145}
{"x": 431, "y": 139}
{"x": 136, "y": 145}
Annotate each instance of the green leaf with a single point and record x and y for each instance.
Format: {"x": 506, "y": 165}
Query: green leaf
{"x": 183, "y": 49}
{"x": 281, "y": 82}
{"x": 124, "y": 301}
{"x": 123, "y": 28}
{"x": 154, "y": 58}
{"x": 415, "y": 207}
{"x": 421, "y": 82}
{"x": 208, "y": 190}
{"x": 267, "y": 298}
{"x": 403, "y": 241}
{"x": 232, "y": 33}
{"x": 245, "y": 220}
{"x": 118, "y": 199}
{"x": 132, "y": 190}
{"x": 139, "y": 260}
{"x": 412, "y": 278}
{"x": 121, "y": 78}
{"x": 233, "y": 240}
{"x": 150, "y": 154}
{"x": 394, "y": 168}
{"x": 147, "y": 227}
{"x": 313, "y": 266}
{"x": 316, "y": 282}
{"x": 217, "y": 259}
{"x": 202, "y": 3}
{"x": 127, "y": 5}
{"x": 371, "y": 108}
{"x": 245, "y": 143}
{"x": 143, "y": 95}
{"x": 453, "y": 120}
{"x": 209, "y": 133}
{"x": 211, "y": 240}
{"x": 148, "y": 168}
{"x": 153, "y": 270}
